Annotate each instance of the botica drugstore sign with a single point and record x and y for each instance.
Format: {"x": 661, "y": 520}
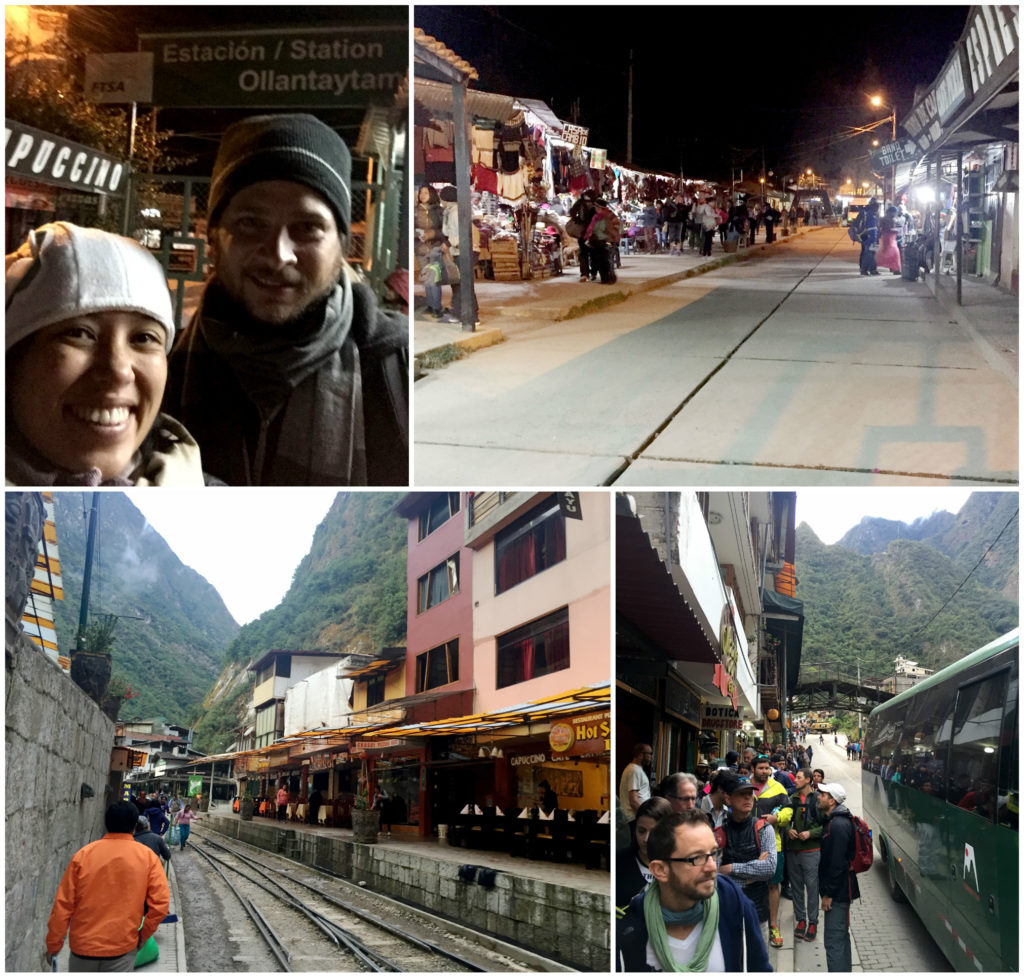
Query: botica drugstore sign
{"x": 37, "y": 155}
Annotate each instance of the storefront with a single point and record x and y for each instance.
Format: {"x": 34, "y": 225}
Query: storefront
{"x": 49, "y": 178}
{"x": 962, "y": 179}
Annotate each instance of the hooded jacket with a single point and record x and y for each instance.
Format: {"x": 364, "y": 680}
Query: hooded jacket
{"x": 328, "y": 406}
{"x": 736, "y": 915}
{"x": 837, "y": 848}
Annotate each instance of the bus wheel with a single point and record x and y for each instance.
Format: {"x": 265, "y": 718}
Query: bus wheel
{"x": 890, "y": 873}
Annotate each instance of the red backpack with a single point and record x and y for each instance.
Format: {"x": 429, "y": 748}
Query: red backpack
{"x": 863, "y": 850}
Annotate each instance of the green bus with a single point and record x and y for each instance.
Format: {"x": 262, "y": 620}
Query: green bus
{"x": 941, "y": 793}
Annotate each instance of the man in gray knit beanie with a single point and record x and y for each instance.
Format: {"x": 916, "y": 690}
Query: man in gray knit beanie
{"x": 289, "y": 371}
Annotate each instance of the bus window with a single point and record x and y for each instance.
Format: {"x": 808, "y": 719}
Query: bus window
{"x": 974, "y": 757}
{"x": 924, "y": 741}
{"x": 1008, "y": 811}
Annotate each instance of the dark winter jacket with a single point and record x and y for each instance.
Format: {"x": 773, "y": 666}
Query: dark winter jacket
{"x": 158, "y": 822}
{"x": 344, "y": 423}
{"x": 154, "y": 842}
{"x": 736, "y": 914}
{"x": 837, "y": 849}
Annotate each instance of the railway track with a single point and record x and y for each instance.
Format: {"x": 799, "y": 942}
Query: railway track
{"x": 312, "y": 921}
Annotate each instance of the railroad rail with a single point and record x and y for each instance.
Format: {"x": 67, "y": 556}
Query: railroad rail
{"x": 413, "y": 952}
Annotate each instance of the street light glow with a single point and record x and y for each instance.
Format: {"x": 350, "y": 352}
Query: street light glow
{"x": 876, "y": 99}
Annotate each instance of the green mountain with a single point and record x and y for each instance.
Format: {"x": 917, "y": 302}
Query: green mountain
{"x": 889, "y": 589}
{"x": 347, "y": 594}
{"x": 172, "y": 625}
{"x": 967, "y": 537}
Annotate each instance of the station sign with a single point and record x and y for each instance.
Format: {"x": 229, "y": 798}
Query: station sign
{"x": 321, "y": 67}
{"x": 59, "y": 162}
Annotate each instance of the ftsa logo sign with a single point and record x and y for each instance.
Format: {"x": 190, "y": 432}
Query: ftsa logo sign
{"x": 970, "y": 865}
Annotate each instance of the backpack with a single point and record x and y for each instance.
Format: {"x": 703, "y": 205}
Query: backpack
{"x": 720, "y": 834}
{"x": 863, "y": 850}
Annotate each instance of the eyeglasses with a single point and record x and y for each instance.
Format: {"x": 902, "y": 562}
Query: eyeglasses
{"x": 681, "y": 797}
{"x": 697, "y": 861}
{"x": 764, "y": 756}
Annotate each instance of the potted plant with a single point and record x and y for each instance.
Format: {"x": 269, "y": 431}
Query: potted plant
{"x": 365, "y": 821}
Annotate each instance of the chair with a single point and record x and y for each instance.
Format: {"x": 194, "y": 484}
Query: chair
{"x": 300, "y": 812}
{"x": 321, "y": 814}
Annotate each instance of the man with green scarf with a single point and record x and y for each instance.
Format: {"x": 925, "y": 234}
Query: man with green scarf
{"x": 690, "y": 918}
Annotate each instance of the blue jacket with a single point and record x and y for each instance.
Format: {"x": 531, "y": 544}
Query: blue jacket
{"x": 158, "y": 823}
{"x": 736, "y": 913}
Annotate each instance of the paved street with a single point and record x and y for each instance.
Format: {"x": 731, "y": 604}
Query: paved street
{"x": 887, "y": 936}
{"x": 790, "y": 367}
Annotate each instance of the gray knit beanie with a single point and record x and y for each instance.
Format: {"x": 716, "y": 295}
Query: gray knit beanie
{"x": 297, "y": 147}
{"x": 63, "y": 271}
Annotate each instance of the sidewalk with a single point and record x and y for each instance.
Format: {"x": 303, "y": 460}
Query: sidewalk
{"x": 509, "y": 307}
{"x": 990, "y": 315}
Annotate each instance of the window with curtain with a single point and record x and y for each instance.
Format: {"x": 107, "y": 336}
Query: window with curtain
{"x": 440, "y": 510}
{"x": 439, "y": 666}
{"x": 533, "y": 650}
{"x": 531, "y": 544}
{"x": 438, "y": 584}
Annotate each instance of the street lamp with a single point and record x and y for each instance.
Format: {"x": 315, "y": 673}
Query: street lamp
{"x": 877, "y": 101}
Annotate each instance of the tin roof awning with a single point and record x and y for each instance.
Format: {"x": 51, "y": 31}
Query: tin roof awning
{"x": 540, "y": 710}
{"x": 542, "y": 111}
{"x": 437, "y": 97}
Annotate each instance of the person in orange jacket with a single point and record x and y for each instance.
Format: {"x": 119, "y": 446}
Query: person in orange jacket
{"x": 106, "y": 888}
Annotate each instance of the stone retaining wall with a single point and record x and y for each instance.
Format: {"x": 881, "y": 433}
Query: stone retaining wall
{"x": 57, "y": 740}
{"x": 546, "y": 918}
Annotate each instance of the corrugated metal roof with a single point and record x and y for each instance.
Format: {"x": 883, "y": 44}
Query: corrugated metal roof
{"x": 439, "y": 50}
{"x": 543, "y": 112}
{"x": 437, "y": 96}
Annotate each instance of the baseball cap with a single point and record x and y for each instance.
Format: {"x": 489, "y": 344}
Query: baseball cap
{"x": 734, "y": 784}
{"x": 836, "y": 791}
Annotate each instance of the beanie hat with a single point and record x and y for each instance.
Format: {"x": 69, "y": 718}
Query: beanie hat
{"x": 63, "y": 271}
{"x": 298, "y": 147}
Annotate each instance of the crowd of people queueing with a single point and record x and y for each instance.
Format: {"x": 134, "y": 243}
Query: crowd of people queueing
{"x": 713, "y": 851}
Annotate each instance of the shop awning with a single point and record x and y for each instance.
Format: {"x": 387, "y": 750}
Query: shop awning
{"x": 784, "y": 617}
{"x": 658, "y": 602}
{"x": 435, "y": 52}
{"x": 437, "y": 97}
{"x": 377, "y": 667}
{"x": 541, "y": 710}
{"x": 542, "y": 111}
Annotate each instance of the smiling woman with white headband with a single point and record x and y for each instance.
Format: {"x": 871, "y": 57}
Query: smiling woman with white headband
{"x": 88, "y": 329}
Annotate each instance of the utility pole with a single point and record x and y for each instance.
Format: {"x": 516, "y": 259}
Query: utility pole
{"x": 629, "y": 115}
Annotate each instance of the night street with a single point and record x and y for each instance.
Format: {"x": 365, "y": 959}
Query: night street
{"x": 787, "y": 368}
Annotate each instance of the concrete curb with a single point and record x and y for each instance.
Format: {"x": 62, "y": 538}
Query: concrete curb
{"x": 544, "y": 312}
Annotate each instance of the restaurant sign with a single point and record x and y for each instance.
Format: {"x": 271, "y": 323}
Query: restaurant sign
{"x": 327, "y": 67}
{"x": 578, "y": 735}
{"x": 59, "y": 162}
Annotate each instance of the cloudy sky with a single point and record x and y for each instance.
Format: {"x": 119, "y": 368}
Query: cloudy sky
{"x": 248, "y": 542}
